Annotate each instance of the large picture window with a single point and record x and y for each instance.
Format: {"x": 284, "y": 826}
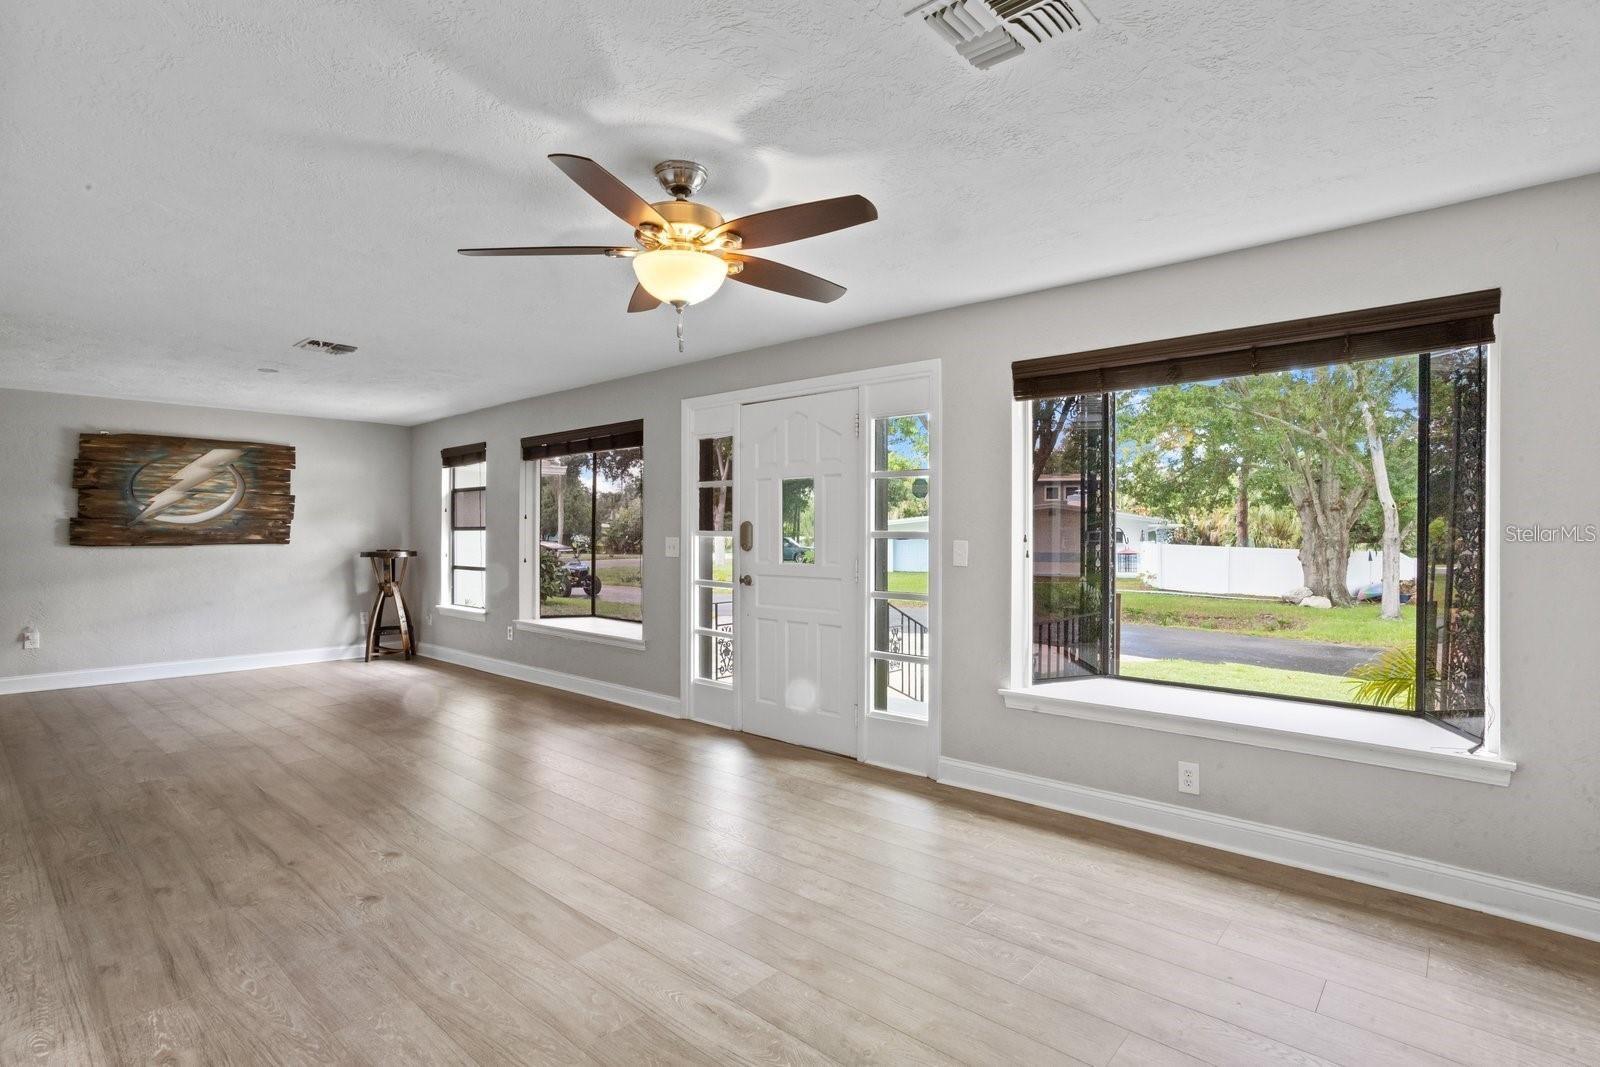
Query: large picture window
{"x": 465, "y": 544}
{"x": 590, "y": 529}
{"x": 1294, "y": 511}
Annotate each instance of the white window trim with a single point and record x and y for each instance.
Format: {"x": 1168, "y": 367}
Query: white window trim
{"x": 1351, "y": 734}
{"x": 447, "y": 551}
{"x": 693, "y": 444}
{"x": 528, "y": 618}
{"x": 874, "y": 535}
{"x": 445, "y": 547}
{"x": 596, "y": 629}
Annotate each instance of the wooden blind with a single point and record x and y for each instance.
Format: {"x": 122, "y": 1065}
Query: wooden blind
{"x": 464, "y": 455}
{"x": 1375, "y": 333}
{"x": 588, "y": 439}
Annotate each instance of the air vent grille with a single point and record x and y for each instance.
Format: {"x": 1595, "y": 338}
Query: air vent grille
{"x": 987, "y": 32}
{"x": 311, "y": 344}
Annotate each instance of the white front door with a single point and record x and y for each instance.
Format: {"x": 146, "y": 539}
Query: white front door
{"x": 799, "y": 578}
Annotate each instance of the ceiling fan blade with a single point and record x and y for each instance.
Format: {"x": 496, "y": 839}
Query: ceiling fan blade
{"x": 642, "y": 300}
{"x": 554, "y": 250}
{"x": 605, "y": 187}
{"x": 765, "y": 274}
{"x": 782, "y": 225}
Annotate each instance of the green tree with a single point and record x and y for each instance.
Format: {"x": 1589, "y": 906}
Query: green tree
{"x": 1326, "y": 441}
{"x": 1187, "y": 454}
{"x": 909, "y": 434}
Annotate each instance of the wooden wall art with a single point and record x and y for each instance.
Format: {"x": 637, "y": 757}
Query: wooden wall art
{"x": 141, "y": 489}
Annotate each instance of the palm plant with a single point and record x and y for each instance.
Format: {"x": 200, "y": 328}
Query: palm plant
{"x": 1387, "y": 680}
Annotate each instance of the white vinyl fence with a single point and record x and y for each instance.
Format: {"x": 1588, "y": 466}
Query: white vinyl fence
{"x": 1241, "y": 571}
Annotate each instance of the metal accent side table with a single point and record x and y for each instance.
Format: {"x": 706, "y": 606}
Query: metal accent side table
{"x": 389, "y": 570}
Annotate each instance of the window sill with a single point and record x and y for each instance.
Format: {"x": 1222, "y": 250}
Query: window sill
{"x": 457, "y": 612}
{"x": 1348, "y": 734}
{"x": 629, "y": 635}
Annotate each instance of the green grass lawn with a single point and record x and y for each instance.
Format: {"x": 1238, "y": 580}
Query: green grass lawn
{"x": 1358, "y": 624}
{"x": 908, "y": 582}
{"x": 567, "y": 606}
{"x": 621, "y": 570}
{"x": 1270, "y": 680}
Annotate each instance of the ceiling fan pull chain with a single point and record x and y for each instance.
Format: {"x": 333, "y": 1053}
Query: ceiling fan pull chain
{"x": 680, "y": 326}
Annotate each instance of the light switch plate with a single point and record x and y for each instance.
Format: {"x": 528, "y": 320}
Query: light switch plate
{"x": 672, "y": 548}
{"x": 958, "y": 553}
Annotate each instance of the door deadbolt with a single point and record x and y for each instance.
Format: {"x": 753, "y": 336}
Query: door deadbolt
{"x": 747, "y": 537}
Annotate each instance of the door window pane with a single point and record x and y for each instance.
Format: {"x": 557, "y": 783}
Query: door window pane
{"x": 714, "y": 658}
{"x": 799, "y": 520}
{"x": 714, "y": 608}
{"x": 900, "y": 504}
{"x": 716, "y": 459}
{"x": 900, "y": 565}
{"x": 900, "y": 688}
{"x": 900, "y": 627}
{"x": 900, "y": 443}
{"x": 716, "y": 508}
{"x": 714, "y": 559}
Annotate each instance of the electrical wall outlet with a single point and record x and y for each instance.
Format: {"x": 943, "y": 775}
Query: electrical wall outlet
{"x": 672, "y": 548}
{"x": 511, "y": 633}
{"x": 366, "y": 620}
{"x": 958, "y": 553}
{"x": 30, "y": 639}
{"x": 1189, "y": 778}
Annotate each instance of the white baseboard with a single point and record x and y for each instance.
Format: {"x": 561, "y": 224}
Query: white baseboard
{"x": 183, "y": 668}
{"x": 643, "y": 699}
{"x": 1554, "y": 909}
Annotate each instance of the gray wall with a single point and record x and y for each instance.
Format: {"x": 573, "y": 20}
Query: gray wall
{"x": 1542, "y": 246}
{"x": 109, "y": 607}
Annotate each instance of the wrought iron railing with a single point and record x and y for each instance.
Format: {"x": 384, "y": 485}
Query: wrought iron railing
{"x": 1057, "y": 644}
{"x": 908, "y": 636}
{"x": 722, "y": 620}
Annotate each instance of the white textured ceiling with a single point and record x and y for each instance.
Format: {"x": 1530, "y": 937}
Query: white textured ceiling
{"x": 189, "y": 186}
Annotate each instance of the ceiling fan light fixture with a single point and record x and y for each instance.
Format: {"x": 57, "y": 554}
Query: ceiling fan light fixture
{"x": 680, "y": 276}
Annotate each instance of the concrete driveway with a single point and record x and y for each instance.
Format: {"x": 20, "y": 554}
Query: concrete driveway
{"x": 1217, "y": 646}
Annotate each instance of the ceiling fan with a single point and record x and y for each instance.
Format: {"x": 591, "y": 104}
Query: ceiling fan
{"x": 684, "y": 250}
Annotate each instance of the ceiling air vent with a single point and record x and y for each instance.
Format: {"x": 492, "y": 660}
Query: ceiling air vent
{"x": 986, "y": 32}
{"x": 311, "y": 344}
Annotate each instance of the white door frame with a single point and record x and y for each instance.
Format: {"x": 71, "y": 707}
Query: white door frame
{"x": 883, "y": 739}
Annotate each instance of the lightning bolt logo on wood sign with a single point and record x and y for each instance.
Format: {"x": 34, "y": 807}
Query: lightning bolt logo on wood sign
{"x": 140, "y": 489}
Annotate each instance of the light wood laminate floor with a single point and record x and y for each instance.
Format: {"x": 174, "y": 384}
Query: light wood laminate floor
{"x": 392, "y": 862}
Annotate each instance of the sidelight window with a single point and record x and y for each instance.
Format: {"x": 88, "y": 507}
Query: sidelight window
{"x": 900, "y": 647}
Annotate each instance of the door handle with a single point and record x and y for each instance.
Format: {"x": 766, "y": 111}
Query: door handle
{"x": 747, "y": 536}
{"x": 744, "y": 579}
